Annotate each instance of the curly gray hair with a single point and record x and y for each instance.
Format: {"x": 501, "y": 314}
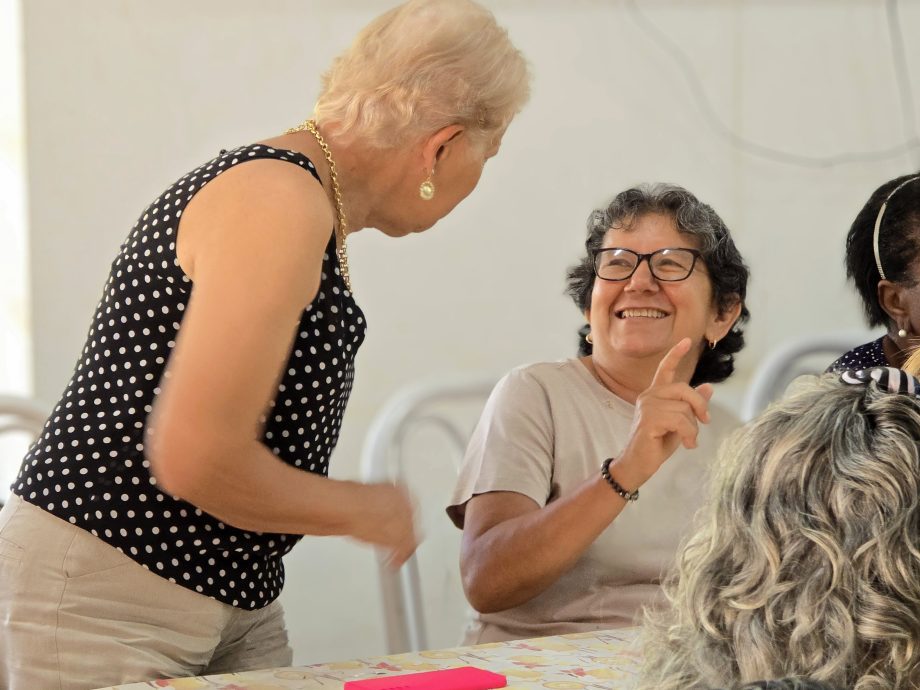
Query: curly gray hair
{"x": 807, "y": 560}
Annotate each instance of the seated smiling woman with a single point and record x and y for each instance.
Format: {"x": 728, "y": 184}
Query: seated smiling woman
{"x": 555, "y": 536}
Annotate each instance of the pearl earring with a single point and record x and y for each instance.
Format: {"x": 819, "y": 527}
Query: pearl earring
{"x": 589, "y": 339}
{"x": 426, "y": 190}
{"x": 902, "y": 333}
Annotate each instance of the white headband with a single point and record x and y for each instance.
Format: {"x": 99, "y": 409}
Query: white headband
{"x": 878, "y": 224}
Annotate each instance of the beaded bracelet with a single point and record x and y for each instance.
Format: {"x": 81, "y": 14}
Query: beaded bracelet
{"x": 615, "y": 485}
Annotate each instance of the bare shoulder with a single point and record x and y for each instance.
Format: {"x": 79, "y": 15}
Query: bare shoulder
{"x": 265, "y": 209}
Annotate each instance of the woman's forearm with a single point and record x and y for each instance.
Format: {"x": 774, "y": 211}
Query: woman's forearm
{"x": 250, "y": 488}
{"x": 516, "y": 559}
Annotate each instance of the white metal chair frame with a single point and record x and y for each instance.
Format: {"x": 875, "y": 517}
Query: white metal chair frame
{"x": 21, "y": 414}
{"x": 381, "y": 461}
{"x": 383, "y": 453}
{"x": 777, "y": 364}
{"x": 18, "y": 413}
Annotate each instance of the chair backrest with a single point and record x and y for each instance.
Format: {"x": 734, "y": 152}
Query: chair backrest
{"x": 447, "y": 412}
{"x": 810, "y": 354}
{"x": 22, "y": 416}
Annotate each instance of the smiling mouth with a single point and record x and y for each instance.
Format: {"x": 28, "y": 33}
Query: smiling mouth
{"x": 641, "y": 314}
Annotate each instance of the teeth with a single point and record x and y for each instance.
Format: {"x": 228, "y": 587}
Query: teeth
{"x": 642, "y": 313}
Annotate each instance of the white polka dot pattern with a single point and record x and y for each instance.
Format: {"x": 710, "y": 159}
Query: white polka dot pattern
{"x": 862, "y": 357}
{"x": 88, "y": 466}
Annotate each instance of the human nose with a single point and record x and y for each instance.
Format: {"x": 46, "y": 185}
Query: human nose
{"x": 642, "y": 278}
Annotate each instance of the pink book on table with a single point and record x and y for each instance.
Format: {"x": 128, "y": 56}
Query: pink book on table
{"x": 463, "y": 678}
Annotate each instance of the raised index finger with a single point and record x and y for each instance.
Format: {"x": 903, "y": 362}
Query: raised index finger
{"x": 667, "y": 367}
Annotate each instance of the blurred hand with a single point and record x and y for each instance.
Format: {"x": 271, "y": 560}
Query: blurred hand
{"x": 389, "y": 522}
{"x": 668, "y": 414}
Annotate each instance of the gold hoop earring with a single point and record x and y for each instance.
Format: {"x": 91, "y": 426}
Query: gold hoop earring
{"x": 426, "y": 190}
{"x": 589, "y": 339}
{"x": 712, "y": 344}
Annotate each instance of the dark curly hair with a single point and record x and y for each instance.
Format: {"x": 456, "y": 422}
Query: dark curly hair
{"x": 727, "y": 270}
{"x": 898, "y": 244}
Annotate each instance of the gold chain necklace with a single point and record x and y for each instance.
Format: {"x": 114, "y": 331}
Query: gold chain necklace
{"x": 341, "y": 249}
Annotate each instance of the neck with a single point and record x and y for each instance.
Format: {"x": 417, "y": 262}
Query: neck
{"x": 349, "y": 168}
{"x": 369, "y": 178}
{"x": 353, "y": 170}
{"x": 626, "y": 377}
{"x": 896, "y": 349}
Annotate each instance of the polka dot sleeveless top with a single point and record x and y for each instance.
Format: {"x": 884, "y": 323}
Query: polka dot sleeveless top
{"x": 88, "y": 466}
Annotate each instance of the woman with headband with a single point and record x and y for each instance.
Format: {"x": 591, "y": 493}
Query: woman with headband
{"x": 883, "y": 260}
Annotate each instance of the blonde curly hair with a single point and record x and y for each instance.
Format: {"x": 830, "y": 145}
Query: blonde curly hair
{"x": 807, "y": 562}
{"x": 421, "y": 66}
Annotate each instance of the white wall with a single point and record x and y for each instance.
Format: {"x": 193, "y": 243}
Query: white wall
{"x": 124, "y": 97}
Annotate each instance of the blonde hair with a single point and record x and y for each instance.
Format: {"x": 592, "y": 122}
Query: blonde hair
{"x": 912, "y": 364}
{"x": 807, "y": 562}
{"x": 421, "y": 66}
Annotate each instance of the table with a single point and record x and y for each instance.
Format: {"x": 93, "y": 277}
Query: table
{"x": 605, "y": 660}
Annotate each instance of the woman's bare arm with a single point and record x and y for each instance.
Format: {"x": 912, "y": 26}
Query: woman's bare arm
{"x": 513, "y": 549}
{"x": 253, "y": 242}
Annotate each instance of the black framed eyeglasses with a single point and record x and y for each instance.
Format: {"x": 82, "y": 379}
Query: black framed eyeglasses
{"x": 669, "y": 264}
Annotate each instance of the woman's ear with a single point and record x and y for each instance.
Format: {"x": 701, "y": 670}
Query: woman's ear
{"x": 723, "y": 321}
{"x": 891, "y": 300}
{"x": 439, "y": 146}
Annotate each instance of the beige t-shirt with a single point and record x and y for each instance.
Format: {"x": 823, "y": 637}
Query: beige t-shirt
{"x": 547, "y": 428}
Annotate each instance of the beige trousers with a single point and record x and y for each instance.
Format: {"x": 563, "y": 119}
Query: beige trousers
{"x": 75, "y": 614}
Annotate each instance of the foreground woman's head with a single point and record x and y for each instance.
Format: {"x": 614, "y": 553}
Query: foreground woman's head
{"x": 807, "y": 562}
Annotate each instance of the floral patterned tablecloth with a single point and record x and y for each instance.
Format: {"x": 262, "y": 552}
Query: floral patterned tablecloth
{"x": 604, "y": 660}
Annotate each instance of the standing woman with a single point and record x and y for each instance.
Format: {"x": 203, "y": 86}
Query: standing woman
{"x": 189, "y": 451}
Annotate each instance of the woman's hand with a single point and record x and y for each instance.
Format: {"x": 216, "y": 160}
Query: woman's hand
{"x": 668, "y": 414}
{"x": 388, "y": 522}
